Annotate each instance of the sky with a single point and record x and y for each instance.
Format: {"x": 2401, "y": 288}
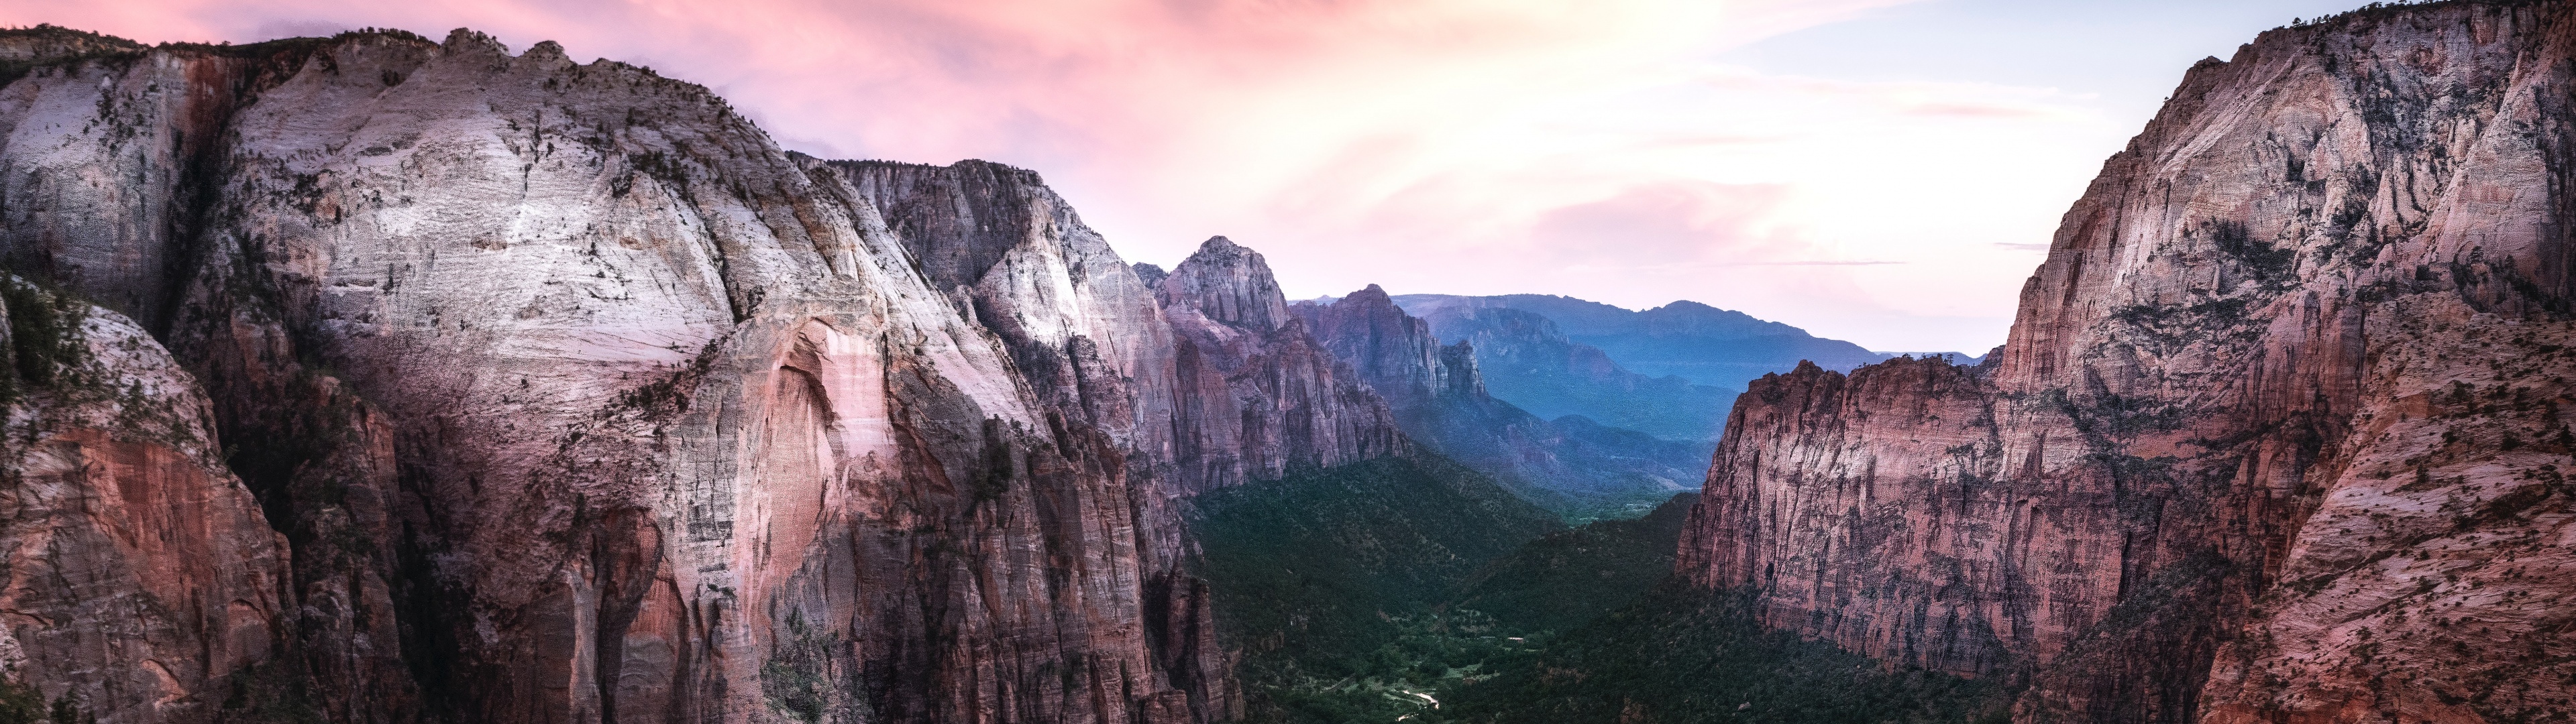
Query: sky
{"x": 1882, "y": 171}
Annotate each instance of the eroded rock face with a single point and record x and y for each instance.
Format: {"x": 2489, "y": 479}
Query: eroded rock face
{"x": 1259, "y": 393}
{"x": 138, "y": 575}
{"x": 2277, "y": 434}
{"x": 577, "y": 399}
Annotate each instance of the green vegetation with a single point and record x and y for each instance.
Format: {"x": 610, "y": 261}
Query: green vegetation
{"x": 1683, "y": 655}
{"x": 271, "y": 692}
{"x": 796, "y": 680}
{"x": 44, "y": 342}
{"x": 1315, "y": 569}
{"x": 1568, "y": 579}
{"x": 23, "y": 704}
{"x": 1347, "y": 615}
{"x": 56, "y": 45}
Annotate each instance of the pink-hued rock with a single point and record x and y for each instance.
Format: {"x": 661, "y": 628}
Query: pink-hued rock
{"x": 2277, "y": 433}
{"x": 1259, "y": 393}
{"x": 577, "y": 399}
{"x": 137, "y": 575}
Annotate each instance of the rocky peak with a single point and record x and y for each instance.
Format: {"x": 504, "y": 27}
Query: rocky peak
{"x": 1393, "y": 351}
{"x": 961, "y": 220}
{"x": 1258, "y": 393}
{"x": 714, "y": 432}
{"x": 1458, "y": 362}
{"x": 1229, "y": 284}
{"x": 1151, "y": 275}
{"x": 468, "y": 41}
{"x": 1438, "y": 395}
{"x": 21, "y": 48}
{"x": 2248, "y": 452}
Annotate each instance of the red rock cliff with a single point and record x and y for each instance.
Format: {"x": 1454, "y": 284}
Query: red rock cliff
{"x": 138, "y": 577}
{"x": 2277, "y": 436}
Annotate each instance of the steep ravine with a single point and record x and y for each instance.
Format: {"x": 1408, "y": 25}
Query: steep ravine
{"x": 2279, "y": 431}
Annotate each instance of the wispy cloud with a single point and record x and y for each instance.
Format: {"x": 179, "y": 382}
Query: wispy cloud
{"x": 1812, "y": 263}
{"x": 1473, "y": 146}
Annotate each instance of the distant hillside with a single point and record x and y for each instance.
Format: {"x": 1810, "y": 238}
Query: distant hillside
{"x": 1438, "y": 394}
{"x": 1694, "y": 341}
{"x": 1527, "y": 359}
{"x": 1672, "y": 371}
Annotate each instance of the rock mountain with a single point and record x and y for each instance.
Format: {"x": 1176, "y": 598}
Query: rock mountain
{"x": 1702, "y": 344}
{"x": 1527, "y": 358}
{"x": 393, "y": 380}
{"x": 2282, "y": 428}
{"x": 1439, "y": 396}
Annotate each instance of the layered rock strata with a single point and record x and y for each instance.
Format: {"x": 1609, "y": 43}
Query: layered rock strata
{"x": 575, "y": 398}
{"x": 1261, "y": 394}
{"x": 2279, "y": 431}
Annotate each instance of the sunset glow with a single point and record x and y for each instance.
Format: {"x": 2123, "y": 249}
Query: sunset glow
{"x": 1633, "y": 151}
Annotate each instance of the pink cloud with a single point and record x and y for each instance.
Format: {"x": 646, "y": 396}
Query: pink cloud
{"x": 1671, "y": 222}
{"x": 1434, "y": 145}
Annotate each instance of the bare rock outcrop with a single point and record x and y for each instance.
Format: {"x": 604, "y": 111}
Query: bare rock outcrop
{"x": 139, "y": 580}
{"x": 2278, "y": 433}
{"x": 576, "y": 398}
{"x": 1259, "y": 393}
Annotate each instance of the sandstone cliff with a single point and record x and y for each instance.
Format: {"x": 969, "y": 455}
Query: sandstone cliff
{"x": 2278, "y": 433}
{"x": 139, "y": 578}
{"x": 1262, "y": 395}
{"x": 572, "y": 397}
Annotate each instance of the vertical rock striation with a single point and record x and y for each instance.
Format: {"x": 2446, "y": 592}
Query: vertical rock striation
{"x": 1259, "y": 394}
{"x": 138, "y": 577}
{"x": 2278, "y": 432}
{"x": 571, "y": 397}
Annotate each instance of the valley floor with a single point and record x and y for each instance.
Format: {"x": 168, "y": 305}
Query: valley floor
{"x": 1573, "y": 626}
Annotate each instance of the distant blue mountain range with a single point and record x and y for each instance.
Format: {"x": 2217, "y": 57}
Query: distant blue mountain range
{"x": 1672, "y": 371}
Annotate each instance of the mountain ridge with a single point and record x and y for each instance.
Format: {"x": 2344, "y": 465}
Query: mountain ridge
{"x": 2265, "y": 442}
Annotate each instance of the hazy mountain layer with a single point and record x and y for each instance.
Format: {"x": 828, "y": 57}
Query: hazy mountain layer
{"x": 1439, "y": 397}
{"x": 1527, "y": 360}
{"x": 1703, "y": 344}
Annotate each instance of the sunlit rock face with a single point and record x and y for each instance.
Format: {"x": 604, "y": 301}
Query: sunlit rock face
{"x": 2277, "y": 436}
{"x": 565, "y": 395}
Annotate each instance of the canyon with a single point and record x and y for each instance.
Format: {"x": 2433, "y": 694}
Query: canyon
{"x": 504, "y": 388}
{"x": 461, "y": 385}
{"x": 373, "y": 378}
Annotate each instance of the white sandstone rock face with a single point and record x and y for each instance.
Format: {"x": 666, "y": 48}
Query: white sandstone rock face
{"x": 685, "y": 428}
